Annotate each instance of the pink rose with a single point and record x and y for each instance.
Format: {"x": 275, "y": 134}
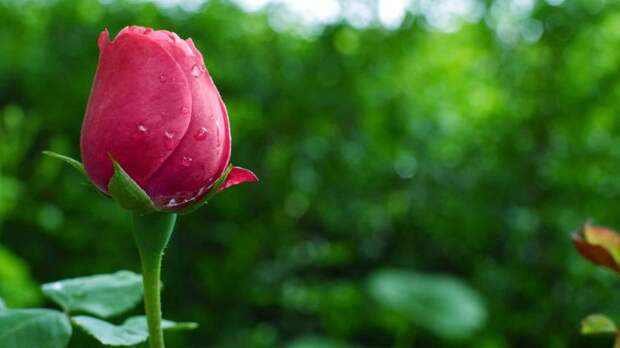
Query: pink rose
{"x": 154, "y": 109}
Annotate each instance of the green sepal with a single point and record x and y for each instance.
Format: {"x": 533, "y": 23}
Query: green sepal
{"x": 77, "y": 165}
{"x": 202, "y": 201}
{"x": 595, "y": 324}
{"x": 127, "y": 193}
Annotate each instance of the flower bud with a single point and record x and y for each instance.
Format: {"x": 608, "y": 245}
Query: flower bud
{"x": 155, "y": 110}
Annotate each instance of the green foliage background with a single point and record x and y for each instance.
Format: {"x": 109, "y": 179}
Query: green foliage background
{"x": 413, "y": 149}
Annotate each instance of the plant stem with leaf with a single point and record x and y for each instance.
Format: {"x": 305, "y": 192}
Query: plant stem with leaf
{"x": 152, "y": 233}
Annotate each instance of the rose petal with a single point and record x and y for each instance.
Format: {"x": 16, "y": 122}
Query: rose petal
{"x": 135, "y": 109}
{"x": 103, "y": 40}
{"x": 204, "y": 153}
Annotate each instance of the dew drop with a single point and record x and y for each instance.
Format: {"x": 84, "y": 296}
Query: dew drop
{"x": 196, "y": 71}
{"x": 201, "y": 134}
{"x": 200, "y": 192}
{"x": 186, "y": 161}
{"x": 163, "y": 114}
{"x": 185, "y": 110}
{"x": 169, "y": 140}
{"x": 171, "y": 203}
{"x": 142, "y": 129}
{"x": 163, "y": 78}
{"x": 219, "y": 135}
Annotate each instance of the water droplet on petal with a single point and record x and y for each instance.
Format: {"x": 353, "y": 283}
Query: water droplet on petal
{"x": 201, "y": 191}
{"x": 187, "y": 161}
{"x": 164, "y": 113}
{"x": 196, "y": 71}
{"x": 141, "y": 131}
{"x": 171, "y": 203}
{"x": 219, "y": 135}
{"x": 185, "y": 110}
{"x": 169, "y": 140}
{"x": 148, "y": 31}
{"x": 163, "y": 78}
{"x": 201, "y": 134}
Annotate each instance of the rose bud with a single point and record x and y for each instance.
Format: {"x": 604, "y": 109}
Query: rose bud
{"x": 155, "y": 110}
{"x": 600, "y": 245}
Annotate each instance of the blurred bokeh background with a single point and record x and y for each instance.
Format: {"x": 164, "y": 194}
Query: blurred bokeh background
{"x": 422, "y": 164}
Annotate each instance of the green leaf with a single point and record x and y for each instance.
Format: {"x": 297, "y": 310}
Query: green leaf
{"x": 127, "y": 193}
{"x": 109, "y": 334}
{"x": 212, "y": 192}
{"x": 443, "y": 305}
{"x": 598, "y": 324}
{"x": 139, "y": 323}
{"x": 132, "y": 332}
{"x": 2, "y": 304}
{"x": 30, "y": 328}
{"x": 70, "y": 161}
{"x": 103, "y": 295}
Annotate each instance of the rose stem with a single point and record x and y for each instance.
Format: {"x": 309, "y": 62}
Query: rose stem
{"x": 152, "y": 233}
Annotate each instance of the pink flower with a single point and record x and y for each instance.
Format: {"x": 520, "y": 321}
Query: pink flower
{"x": 154, "y": 108}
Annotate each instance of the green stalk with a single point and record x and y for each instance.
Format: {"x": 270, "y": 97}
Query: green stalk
{"x": 152, "y": 233}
